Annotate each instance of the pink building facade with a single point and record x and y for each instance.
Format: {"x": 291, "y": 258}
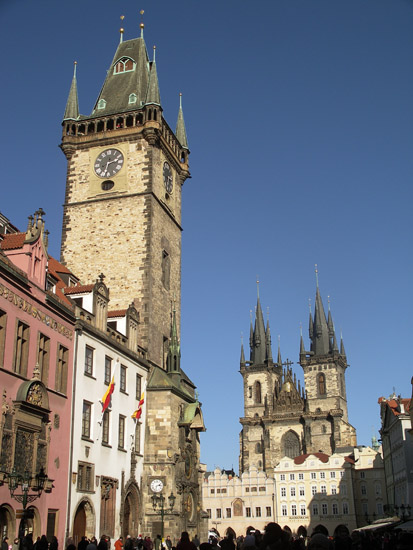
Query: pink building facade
{"x": 36, "y": 358}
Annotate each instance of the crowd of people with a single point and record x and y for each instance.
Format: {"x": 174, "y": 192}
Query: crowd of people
{"x": 273, "y": 538}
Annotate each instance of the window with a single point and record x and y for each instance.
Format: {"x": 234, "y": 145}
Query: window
{"x": 315, "y": 509}
{"x": 208, "y": 511}
{"x": 108, "y": 370}
{"x": 101, "y": 104}
{"x": 262, "y": 489}
{"x": 61, "y": 369}
{"x": 293, "y": 509}
{"x": 258, "y": 511}
{"x": 122, "y": 384}
{"x": 363, "y": 489}
{"x": 85, "y": 475}
{"x": 290, "y": 444}
{"x": 300, "y": 477}
{"x": 377, "y": 489}
{"x": 345, "y": 508}
{"x": 253, "y": 489}
{"x": 313, "y": 490}
{"x": 138, "y": 387}
{"x": 3, "y": 319}
{"x": 283, "y": 491}
{"x": 292, "y": 477}
{"x": 282, "y": 477}
{"x": 332, "y": 475}
{"x": 166, "y": 269}
{"x": 133, "y": 98}
{"x": 218, "y": 513}
{"x": 86, "y": 418}
{"x": 257, "y": 392}
{"x": 323, "y": 489}
{"x": 223, "y": 491}
{"x": 21, "y": 352}
{"x": 302, "y": 491}
{"x": 322, "y": 475}
{"x": 218, "y": 491}
{"x": 303, "y": 510}
{"x": 343, "y": 489}
{"x": 124, "y": 65}
{"x": 248, "y": 512}
{"x": 268, "y": 511}
{"x": 335, "y": 509}
{"x": 212, "y": 491}
{"x": 284, "y": 509}
{"x": 105, "y": 428}
{"x": 292, "y": 491}
{"x": 342, "y": 474}
{"x": 379, "y": 509}
{"x": 362, "y": 475}
{"x": 228, "y": 512}
{"x": 121, "y": 433}
{"x": 138, "y": 438}
{"x": 89, "y": 361}
{"x": 334, "y": 489}
{"x": 324, "y": 509}
{"x": 365, "y": 508}
{"x": 313, "y": 475}
{"x": 321, "y": 379}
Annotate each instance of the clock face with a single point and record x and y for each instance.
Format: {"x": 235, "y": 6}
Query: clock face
{"x": 108, "y": 163}
{"x": 156, "y": 485}
{"x": 167, "y": 177}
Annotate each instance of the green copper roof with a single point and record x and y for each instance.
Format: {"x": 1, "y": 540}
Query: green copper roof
{"x": 119, "y": 86}
{"x": 72, "y": 105}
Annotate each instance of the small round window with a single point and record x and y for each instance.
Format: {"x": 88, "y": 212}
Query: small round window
{"x": 107, "y": 185}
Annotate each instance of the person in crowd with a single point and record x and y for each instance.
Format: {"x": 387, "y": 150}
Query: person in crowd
{"x": 16, "y": 544}
{"x": 196, "y": 541}
{"x": 227, "y": 543}
{"x": 93, "y": 544}
{"x": 158, "y": 542}
{"x": 83, "y": 543}
{"x": 184, "y": 542}
{"x": 5, "y": 543}
{"x": 103, "y": 544}
{"x": 54, "y": 544}
{"x": 168, "y": 542}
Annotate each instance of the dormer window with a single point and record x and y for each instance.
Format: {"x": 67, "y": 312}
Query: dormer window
{"x": 101, "y": 104}
{"x": 124, "y": 65}
{"x": 133, "y": 98}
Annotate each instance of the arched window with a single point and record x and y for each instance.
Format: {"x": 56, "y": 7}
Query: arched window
{"x": 124, "y": 65}
{"x": 290, "y": 444}
{"x": 101, "y": 104}
{"x": 258, "y": 447}
{"x": 133, "y": 98}
{"x": 257, "y": 392}
{"x": 237, "y": 507}
{"x": 321, "y": 379}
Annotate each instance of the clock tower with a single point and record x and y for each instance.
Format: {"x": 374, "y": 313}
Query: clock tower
{"x": 122, "y": 211}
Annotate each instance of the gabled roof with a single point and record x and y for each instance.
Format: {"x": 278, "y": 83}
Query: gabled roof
{"x": 57, "y": 267}
{"x": 117, "y": 313}
{"x": 302, "y": 458}
{"x": 394, "y": 405}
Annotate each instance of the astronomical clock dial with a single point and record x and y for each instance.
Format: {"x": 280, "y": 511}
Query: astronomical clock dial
{"x": 156, "y": 485}
{"x": 168, "y": 177}
{"x": 108, "y": 163}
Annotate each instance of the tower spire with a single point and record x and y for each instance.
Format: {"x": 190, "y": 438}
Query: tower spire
{"x": 259, "y": 337}
{"x": 242, "y": 359}
{"x": 320, "y": 337}
{"x": 153, "y": 96}
{"x": 180, "y": 131}
{"x": 268, "y": 338}
{"x": 72, "y": 105}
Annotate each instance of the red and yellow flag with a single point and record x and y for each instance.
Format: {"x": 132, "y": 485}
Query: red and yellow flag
{"x": 138, "y": 413}
{"x": 106, "y": 398}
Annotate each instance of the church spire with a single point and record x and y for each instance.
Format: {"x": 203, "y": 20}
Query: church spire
{"x": 268, "y": 340}
{"x": 242, "y": 358}
{"x": 153, "y": 96}
{"x": 72, "y": 105}
{"x": 342, "y": 350}
{"x": 320, "y": 338}
{"x": 258, "y": 351}
{"x": 180, "y": 131}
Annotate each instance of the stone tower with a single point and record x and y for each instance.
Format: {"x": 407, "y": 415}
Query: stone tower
{"x": 122, "y": 211}
{"x": 122, "y": 217}
{"x": 283, "y": 419}
{"x": 324, "y": 366}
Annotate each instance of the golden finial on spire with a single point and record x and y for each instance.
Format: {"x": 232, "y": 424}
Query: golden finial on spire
{"x": 316, "y": 274}
{"x": 142, "y": 25}
{"x": 154, "y": 52}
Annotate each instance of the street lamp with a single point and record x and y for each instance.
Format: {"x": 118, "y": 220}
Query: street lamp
{"x": 158, "y": 504}
{"x": 26, "y": 482}
{"x": 404, "y": 511}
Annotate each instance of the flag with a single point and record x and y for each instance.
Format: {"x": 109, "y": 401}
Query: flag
{"x": 106, "y": 398}
{"x": 138, "y": 413}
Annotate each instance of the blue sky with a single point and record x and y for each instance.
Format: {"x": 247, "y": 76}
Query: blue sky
{"x": 299, "y": 117}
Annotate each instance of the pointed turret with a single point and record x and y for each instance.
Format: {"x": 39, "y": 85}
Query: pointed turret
{"x": 279, "y": 360}
{"x": 173, "y": 360}
{"x": 153, "y": 96}
{"x": 342, "y": 350}
{"x": 258, "y": 351}
{"x": 268, "y": 342}
{"x": 302, "y": 348}
{"x": 242, "y": 359}
{"x": 180, "y": 131}
{"x": 72, "y": 105}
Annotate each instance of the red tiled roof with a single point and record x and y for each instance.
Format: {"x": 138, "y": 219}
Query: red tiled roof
{"x": 394, "y": 405}
{"x": 78, "y": 289}
{"x": 57, "y": 267}
{"x": 302, "y": 458}
{"x": 117, "y": 313}
{"x": 349, "y": 459}
{"x": 12, "y": 241}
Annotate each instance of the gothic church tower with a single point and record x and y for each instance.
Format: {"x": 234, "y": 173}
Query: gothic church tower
{"x": 122, "y": 211}
{"x": 280, "y": 417}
